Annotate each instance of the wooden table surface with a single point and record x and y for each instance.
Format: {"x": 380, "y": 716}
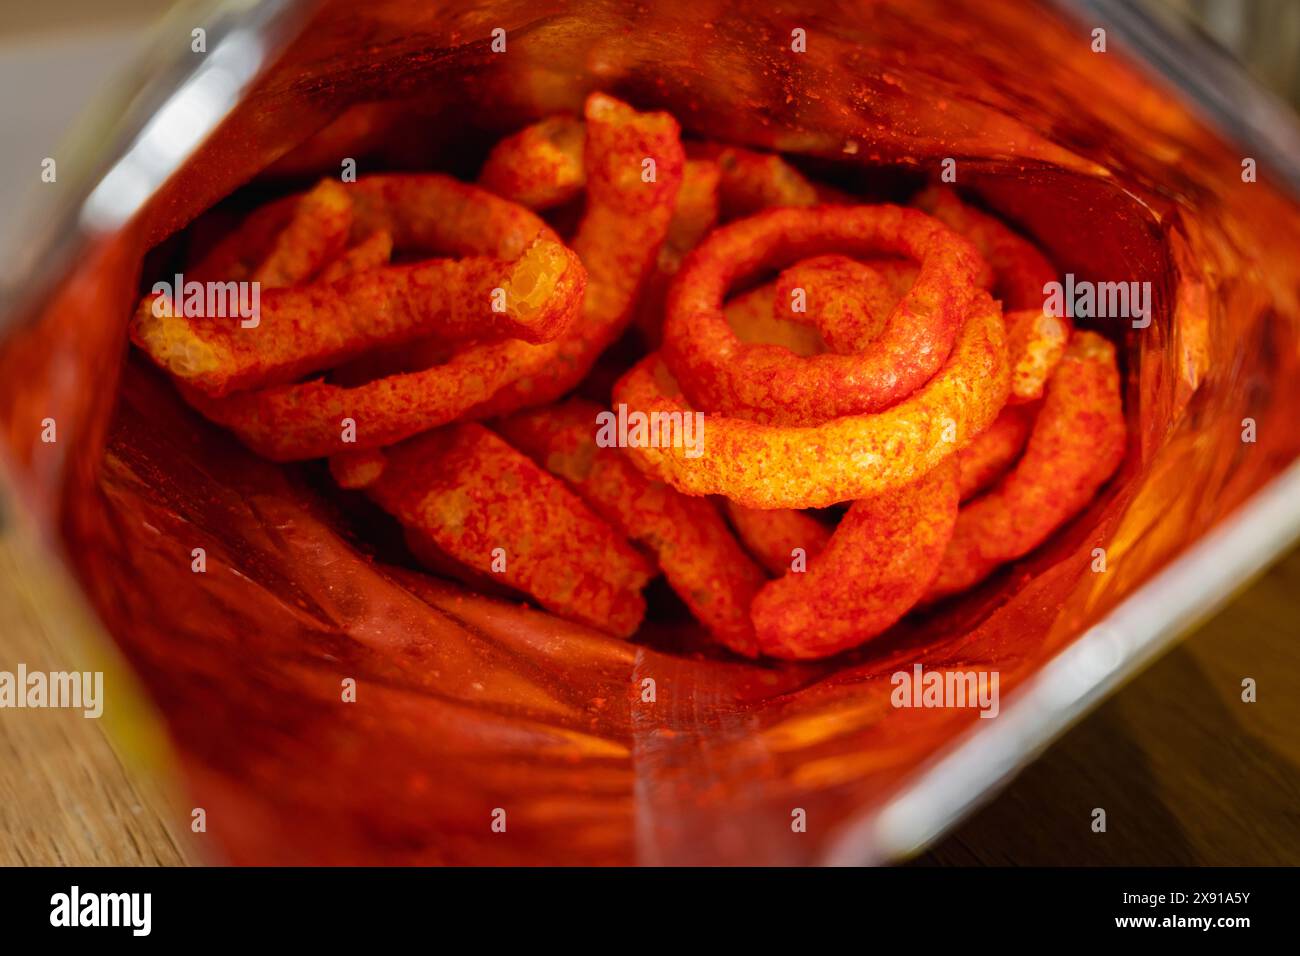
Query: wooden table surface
{"x": 66, "y": 796}
{"x": 1187, "y": 772}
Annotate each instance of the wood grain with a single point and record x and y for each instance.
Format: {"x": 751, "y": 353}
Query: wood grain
{"x": 1187, "y": 773}
{"x": 66, "y": 796}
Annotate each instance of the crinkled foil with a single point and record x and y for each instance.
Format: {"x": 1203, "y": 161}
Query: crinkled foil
{"x": 466, "y": 705}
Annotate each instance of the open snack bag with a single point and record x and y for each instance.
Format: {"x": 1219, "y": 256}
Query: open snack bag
{"x": 666, "y": 433}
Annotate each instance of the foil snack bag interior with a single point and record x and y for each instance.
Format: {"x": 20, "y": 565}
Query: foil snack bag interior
{"x": 467, "y": 704}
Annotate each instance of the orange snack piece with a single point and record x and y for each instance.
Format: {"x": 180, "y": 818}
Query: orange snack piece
{"x": 772, "y": 536}
{"x": 422, "y": 212}
{"x": 481, "y": 502}
{"x": 374, "y": 250}
{"x": 848, "y": 301}
{"x": 695, "y": 213}
{"x": 283, "y": 242}
{"x": 754, "y": 320}
{"x": 541, "y": 166}
{"x": 358, "y": 469}
{"x": 751, "y": 180}
{"x": 692, "y": 544}
{"x": 874, "y": 569}
{"x": 434, "y": 559}
{"x": 286, "y": 423}
{"x": 317, "y": 231}
{"x": 719, "y": 373}
{"x": 1036, "y": 341}
{"x": 309, "y": 328}
{"x": 855, "y": 456}
{"x": 307, "y": 420}
{"x": 623, "y": 226}
{"x": 1019, "y": 270}
{"x": 1076, "y": 444}
{"x": 430, "y": 214}
{"x": 993, "y": 450}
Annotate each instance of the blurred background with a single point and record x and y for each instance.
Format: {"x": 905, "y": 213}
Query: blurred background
{"x": 1188, "y": 774}
{"x": 1262, "y": 34}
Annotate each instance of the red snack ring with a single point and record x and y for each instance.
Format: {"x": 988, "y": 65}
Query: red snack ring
{"x": 773, "y": 536}
{"x": 767, "y": 384}
{"x": 540, "y": 166}
{"x": 693, "y": 546}
{"x": 1076, "y": 444}
{"x": 873, "y": 571}
{"x": 856, "y": 456}
{"x": 480, "y": 501}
